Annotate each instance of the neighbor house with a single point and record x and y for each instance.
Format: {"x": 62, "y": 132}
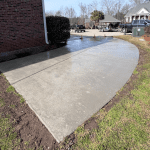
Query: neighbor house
{"x": 22, "y": 25}
{"x": 141, "y": 11}
{"x": 108, "y": 19}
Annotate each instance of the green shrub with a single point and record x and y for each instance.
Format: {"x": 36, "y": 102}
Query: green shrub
{"x": 58, "y": 28}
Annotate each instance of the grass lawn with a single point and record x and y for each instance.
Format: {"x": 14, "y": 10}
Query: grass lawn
{"x": 125, "y": 126}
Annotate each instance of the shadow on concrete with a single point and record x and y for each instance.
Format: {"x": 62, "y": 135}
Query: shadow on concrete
{"x": 74, "y": 44}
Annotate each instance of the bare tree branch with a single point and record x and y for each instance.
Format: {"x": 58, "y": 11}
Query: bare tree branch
{"x": 125, "y": 9}
{"x": 58, "y": 13}
{"x": 70, "y": 13}
{"x": 111, "y": 7}
{"x": 83, "y": 12}
{"x": 94, "y": 4}
{"x": 107, "y": 6}
{"x": 83, "y": 9}
{"x": 136, "y": 2}
{"x": 49, "y": 13}
{"x": 62, "y": 11}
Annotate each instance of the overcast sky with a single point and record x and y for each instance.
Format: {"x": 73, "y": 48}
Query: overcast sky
{"x": 55, "y": 5}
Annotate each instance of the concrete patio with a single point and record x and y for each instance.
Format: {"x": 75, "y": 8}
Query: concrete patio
{"x": 66, "y": 86}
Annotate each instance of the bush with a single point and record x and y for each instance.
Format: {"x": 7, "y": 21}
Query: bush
{"x": 58, "y": 28}
{"x": 147, "y": 30}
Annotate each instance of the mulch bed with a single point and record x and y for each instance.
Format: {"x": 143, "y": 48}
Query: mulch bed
{"x": 29, "y": 128}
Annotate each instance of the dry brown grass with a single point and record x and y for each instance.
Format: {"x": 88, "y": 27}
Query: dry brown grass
{"x": 135, "y": 40}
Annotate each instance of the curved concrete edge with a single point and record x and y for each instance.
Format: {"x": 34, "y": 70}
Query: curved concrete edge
{"x": 56, "y": 130}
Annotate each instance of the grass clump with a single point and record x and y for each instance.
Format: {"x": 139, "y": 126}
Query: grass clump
{"x": 125, "y": 126}
{"x": 8, "y": 138}
{"x": 2, "y": 103}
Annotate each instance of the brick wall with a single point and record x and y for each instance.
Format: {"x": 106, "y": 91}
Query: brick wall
{"x": 21, "y": 24}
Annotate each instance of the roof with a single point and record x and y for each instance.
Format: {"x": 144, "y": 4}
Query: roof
{"x": 137, "y": 8}
{"x": 108, "y": 18}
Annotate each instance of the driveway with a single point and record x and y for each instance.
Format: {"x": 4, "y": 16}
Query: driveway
{"x": 66, "y": 86}
{"x": 91, "y": 32}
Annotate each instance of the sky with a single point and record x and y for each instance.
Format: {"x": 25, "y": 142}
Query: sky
{"x": 55, "y": 5}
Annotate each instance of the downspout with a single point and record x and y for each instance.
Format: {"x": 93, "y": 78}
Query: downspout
{"x": 44, "y": 19}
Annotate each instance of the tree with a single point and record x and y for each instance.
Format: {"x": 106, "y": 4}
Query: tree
{"x": 97, "y": 15}
{"x": 86, "y": 17}
{"x": 136, "y": 2}
{"x": 89, "y": 10}
{"x": 58, "y": 13}
{"x": 111, "y": 7}
{"x": 119, "y": 16}
{"x": 83, "y": 12}
{"x": 73, "y": 21}
{"x": 83, "y": 9}
{"x": 91, "y": 7}
{"x": 61, "y": 11}
{"x": 70, "y": 13}
{"x": 86, "y": 10}
{"x": 125, "y": 9}
{"x": 94, "y": 5}
{"x": 117, "y": 13}
{"x": 90, "y": 23}
{"x": 107, "y": 6}
{"x": 49, "y": 13}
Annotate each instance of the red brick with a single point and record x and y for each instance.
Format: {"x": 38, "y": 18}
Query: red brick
{"x": 20, "y": 19}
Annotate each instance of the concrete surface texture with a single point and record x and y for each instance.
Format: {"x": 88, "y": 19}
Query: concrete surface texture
{"x": 66, "y": 86}
{"x": 91, "y": 32}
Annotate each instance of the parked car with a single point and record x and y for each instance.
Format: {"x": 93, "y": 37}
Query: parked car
{"x": 73, "y": 26}
{"x": 93, "y": 27}
{"x": 113, "y": 25}
{"x": 80, "y": 28}
{"x": 135, "y": 23}
{"x": 104, "y": 28}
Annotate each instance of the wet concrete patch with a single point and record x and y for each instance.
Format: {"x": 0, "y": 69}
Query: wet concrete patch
{"x": 66, "y": 86}
{"x": 86, "y": 42}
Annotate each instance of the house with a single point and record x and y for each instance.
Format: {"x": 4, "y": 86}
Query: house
{"x": 22, "y": 25}
{"x": 141, "y": 11}
{"x": 108, "y": 19}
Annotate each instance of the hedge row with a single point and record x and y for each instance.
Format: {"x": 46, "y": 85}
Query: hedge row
{"x": 58, "y": 28}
